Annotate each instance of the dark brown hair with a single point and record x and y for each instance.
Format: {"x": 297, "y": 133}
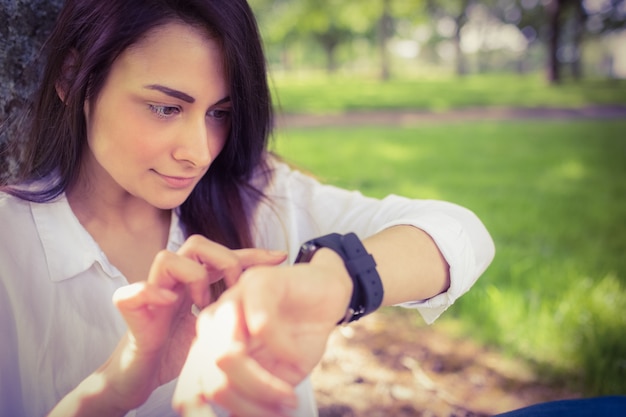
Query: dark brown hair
{"x": 97, "y": 32}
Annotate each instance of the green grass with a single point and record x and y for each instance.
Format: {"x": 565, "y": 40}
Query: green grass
{"x": 323, "y": 94}
{"x": 553, "y": 195}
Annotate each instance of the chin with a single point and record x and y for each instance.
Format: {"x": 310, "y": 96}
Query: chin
{"x": 166, "y": 199}
{"x": 168, "y": 204}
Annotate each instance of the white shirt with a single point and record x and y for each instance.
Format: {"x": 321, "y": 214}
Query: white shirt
{"x": 58, "y": 323}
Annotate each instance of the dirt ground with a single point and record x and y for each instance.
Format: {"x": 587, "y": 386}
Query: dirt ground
{"x": 420, "y": 117}
{"x": 386, "y": 365}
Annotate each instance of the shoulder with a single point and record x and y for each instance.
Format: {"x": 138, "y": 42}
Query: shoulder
{"x": 12, "y": 207}
{"x": 19, "y": 246}
{"x": 279, "y": 179}
{"x": 17, "y": 223}
{"x": 18, "y": 202}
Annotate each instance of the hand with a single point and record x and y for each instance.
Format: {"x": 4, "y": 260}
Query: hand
{"x": 158, "y": 312}
{"x": 263, "y": 337}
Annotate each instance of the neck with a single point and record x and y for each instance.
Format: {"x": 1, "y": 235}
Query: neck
{"x": 116, "y": 212}
{"x": 129, "y": 231}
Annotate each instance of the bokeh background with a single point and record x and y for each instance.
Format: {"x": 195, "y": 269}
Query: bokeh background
{"x": 515, "y": 109}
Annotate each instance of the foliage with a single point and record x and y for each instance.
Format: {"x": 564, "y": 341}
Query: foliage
{"x": 284, "y": 21}
{"x": 552, "y": 195}
{"x": 329, "y": 23}
{"x": 558, "y": 28}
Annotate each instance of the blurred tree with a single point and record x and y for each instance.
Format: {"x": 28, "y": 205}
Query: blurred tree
{"x": 603, "y": 18}
{"x": 563, "y": 26}
{"x": 276, "y": 21}
{"x": 557, "y": 12}
{"x": 24, "y": 25}
{"x": 387, "y": 14}
{"x": 385, "y": 30}
{"x": 554, "y": 29}
{"x": 331, "y": 23}
{"x": 457, "y": 10}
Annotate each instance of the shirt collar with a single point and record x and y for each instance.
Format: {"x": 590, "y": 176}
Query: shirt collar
{"x": 70, "y": 249}
{"x": 177, "y": 235}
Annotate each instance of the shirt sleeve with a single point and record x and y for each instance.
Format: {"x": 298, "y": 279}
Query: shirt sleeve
{"x": 299, "y": 208}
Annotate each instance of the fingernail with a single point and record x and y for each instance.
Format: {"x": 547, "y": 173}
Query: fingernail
{"x": 277, "y": 253}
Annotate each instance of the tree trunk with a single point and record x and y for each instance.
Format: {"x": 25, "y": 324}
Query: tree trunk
{"x": 331, "y": 62}
{"x": 24, "y": 26}
{"x": 581, "y": 19}
{"x": 329, "y": 41}
{"x": 384, "y": 33}
{"x": 554, "y": 9}
{"x": 461, "y": 67}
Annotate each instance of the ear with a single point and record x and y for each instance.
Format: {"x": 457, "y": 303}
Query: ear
{"x": 68, "y": 74}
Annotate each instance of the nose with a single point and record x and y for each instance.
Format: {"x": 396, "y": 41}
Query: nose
{"x": 193, "y": 143}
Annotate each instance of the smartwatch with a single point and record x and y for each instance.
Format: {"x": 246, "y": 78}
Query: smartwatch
{"x": 367, "y": 293}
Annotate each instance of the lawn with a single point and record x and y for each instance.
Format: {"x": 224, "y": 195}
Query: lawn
{"x": 553, "y": 195}
{"x": 340, "y": 93}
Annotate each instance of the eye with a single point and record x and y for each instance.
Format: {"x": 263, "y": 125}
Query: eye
{"x": 163, "y": 112}
{"x": 219, "y": 115}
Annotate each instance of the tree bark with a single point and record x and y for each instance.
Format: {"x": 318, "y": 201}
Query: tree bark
{"x": 24, "y": 26}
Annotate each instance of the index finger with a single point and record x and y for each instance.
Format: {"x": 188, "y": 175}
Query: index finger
{"x": 221, "y": 261}
{"x": 217, "y": 259}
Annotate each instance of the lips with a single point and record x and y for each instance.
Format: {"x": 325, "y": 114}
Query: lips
{"x": 178, "y": 182}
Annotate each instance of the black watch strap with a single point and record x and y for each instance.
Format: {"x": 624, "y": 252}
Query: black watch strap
{"x": 367, "y": 294}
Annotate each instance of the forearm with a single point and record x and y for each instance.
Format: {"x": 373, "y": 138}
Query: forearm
{"x": 90, "y": 398}
{"x": 409, "y": 263}
{"x": 122, "y": 383}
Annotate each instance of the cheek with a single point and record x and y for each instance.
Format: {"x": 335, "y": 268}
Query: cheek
{"x": 119, "y": 136}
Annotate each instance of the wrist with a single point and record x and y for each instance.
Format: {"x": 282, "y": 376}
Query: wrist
{"x": 340, "y": 283}
{"x": 367, "y": 291}
{"x": 128, "y": 378}
{"x": 92, "y": 397}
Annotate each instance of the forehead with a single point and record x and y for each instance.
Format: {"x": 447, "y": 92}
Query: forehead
{"x": 174, "y": 31}
{"x": 175, "y": 54}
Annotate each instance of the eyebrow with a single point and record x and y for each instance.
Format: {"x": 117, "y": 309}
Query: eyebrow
{"x": 180, "y": 95}
{"x": 171, "y": 92}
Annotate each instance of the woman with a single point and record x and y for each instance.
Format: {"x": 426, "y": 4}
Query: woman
{"x": 146, "y": 180}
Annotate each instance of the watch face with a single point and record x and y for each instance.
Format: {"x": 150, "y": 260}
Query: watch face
{"x": 307, "y": 251}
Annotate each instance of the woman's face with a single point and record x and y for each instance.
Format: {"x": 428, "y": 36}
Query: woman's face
{"x": 161, "y": 118}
